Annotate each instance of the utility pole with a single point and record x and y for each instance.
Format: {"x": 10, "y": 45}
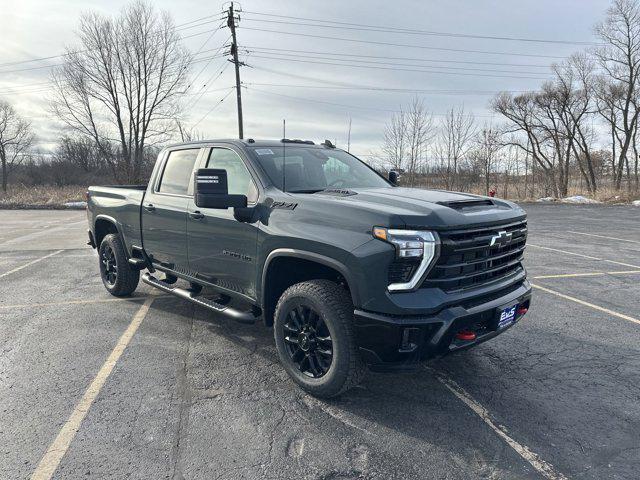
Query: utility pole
{"x": 231, "y": 23}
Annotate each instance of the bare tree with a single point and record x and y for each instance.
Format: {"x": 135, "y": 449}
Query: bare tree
{"x": 574, "y": 86}
{"x": 457, "y": 131}
{"x": 15, "y": 139}
{"x": 619, "y": 59}
{"x": 420, "y": 133}
{"x": 484, "y": 156}
{"x": 528, "y": 132}
{"x": 187, "y": 134}
{"x": 394, "y": 146}
{"x": 123, "y": 84}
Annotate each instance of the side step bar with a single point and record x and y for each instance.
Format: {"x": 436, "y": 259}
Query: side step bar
{"x": 138, "y": 263}
{"x": 237, "y": 315}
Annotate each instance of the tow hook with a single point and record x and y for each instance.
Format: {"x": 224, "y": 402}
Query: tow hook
{"x": 466, "y": 335}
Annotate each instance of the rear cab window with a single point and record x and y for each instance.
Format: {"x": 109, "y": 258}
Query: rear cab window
{"x": 178, "y": 168}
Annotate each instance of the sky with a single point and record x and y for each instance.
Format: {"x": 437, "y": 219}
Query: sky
{"x": 317, "y": 93}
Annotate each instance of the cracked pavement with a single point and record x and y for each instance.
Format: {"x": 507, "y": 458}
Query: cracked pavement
{"x": 197, "y": 396}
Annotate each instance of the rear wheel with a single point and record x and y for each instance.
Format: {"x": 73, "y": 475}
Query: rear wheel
{"x": 117, "y": 275}
{"x": 314, "y": 338}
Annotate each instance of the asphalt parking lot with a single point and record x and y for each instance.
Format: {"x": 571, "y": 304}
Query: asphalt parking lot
{"x": 153, "y": 387}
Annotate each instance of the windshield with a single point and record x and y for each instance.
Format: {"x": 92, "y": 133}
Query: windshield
{"x": 309, "y": 169}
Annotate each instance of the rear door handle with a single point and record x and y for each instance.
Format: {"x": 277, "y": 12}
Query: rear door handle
{"x": 149, "y": 207}
{"x": 196, "y": 215}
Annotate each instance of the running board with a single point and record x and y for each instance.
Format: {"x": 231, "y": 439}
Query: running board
{"x": 237, "y": 315}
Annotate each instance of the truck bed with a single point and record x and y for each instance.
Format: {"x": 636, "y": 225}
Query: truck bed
{"x": 121, "y": 203}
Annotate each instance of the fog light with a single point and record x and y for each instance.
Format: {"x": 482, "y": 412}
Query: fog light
{"x": 466, "y": 335}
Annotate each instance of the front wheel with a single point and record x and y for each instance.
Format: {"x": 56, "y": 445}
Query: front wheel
{"x": 117, "y": 275}
{"x": 313, "y": 330}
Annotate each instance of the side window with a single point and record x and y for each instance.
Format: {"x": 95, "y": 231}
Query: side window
{"x": 238, "y": 177}
{"x": 177, "y": 171}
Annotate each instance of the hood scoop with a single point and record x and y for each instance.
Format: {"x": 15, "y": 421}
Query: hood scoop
{"x": 469, "y": 205}
{"x": 338, "y": 192}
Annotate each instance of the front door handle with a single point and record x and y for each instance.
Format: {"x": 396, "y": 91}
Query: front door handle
{"x": 149, "y": 207}
{"x": 196, "y": 215}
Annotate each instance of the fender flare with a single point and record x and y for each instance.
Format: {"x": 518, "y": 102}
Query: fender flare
{"x": 314, "y": 257}
{"x": 109, "y": 219}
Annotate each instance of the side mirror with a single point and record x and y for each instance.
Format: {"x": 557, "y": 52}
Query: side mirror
{"x": 393, "y": 177}
{"x": 211, "y": 190}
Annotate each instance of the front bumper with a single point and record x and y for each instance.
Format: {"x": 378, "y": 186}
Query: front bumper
{"x": 395, "y": 342}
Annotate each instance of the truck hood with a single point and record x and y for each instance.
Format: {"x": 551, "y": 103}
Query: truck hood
{"x": 420, "y": 208}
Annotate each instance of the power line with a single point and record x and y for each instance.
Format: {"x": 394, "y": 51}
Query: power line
{"x": 468, "y": 69}
{"x": 177, "y": 28}
{"x": 81, "y": 51}
{"x": 20, "y": 89}
{"x": 214, "y": 107}
{"x": 405, "y": 45}
{"x": 395, "y": 57}
{"x": 435, "y": 72}
{"x": 385, "y": 89}
{"x": 208, "y": 85}
{"x": 210, "y": 60}
{"x": 349, "y": 25}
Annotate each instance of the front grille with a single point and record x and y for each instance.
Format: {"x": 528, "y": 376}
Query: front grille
{"x": 467, "y": 260}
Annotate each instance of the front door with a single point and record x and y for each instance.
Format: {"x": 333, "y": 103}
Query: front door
{"x": 164, "y": 210}
{"x": 222, "y": 250}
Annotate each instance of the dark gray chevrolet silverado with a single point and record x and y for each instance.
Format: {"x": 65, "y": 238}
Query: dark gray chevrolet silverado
{"x": 352, "y": 271}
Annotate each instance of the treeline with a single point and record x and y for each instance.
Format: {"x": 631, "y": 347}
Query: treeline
{"x": 78, "y": 161}
{"x": 578, "y": 132}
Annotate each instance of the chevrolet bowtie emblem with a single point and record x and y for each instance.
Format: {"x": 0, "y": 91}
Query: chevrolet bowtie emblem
{"x": 502, "y": 239}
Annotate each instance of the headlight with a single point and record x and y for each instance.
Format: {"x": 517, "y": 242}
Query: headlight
{"x": 417, "y": 245}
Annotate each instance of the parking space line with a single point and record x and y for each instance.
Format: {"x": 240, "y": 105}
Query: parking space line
{"x": 81, "y": 302}
{"x": 30, "y": 263}
{"x": 41, "y": 232}
{"x": 604, "y": 236}
{"x": 588, "y": 274}
{"x": 583, "y": 256}
{"x": 587, "y": 304}
{"x": 545, "y": 469}
{"x": 52, "y": 457}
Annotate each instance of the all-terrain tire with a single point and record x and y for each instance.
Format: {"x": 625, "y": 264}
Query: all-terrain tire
{"x": 333, "y": 306}
{"x": 122, "y": 280}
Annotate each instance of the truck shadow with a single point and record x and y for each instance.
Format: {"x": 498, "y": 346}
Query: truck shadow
{"x": 409, "y": 406}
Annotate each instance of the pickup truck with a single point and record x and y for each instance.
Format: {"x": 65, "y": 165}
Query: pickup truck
{"x": 352, "y": 271}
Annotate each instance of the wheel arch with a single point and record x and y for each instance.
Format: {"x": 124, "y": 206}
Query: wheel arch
{"x": 103, "y": 226}
{"x": 285, "y": 267}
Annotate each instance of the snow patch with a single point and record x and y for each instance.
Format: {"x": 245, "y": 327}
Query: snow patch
{"x": 579, "y": 199}
{"x": 546, "y": 199}
{"x": 636, "y": 203}
{"x": 75, "y": 205}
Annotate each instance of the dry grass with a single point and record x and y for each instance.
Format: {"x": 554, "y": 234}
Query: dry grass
{"x": 22, "y": 196}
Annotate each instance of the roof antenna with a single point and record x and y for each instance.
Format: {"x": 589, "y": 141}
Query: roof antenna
{"x": 284, "y": 153}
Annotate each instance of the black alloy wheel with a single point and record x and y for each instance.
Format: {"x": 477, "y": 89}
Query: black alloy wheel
{"x": 118, "y": 276}
{"x": 313, "y": 331}
{"x": 308, "y": 341}
{"x": 109, "y": 266}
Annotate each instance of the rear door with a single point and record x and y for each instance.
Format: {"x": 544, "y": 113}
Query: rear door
{"x": 222, "y": 249}
{"x": 164, "y": 210}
